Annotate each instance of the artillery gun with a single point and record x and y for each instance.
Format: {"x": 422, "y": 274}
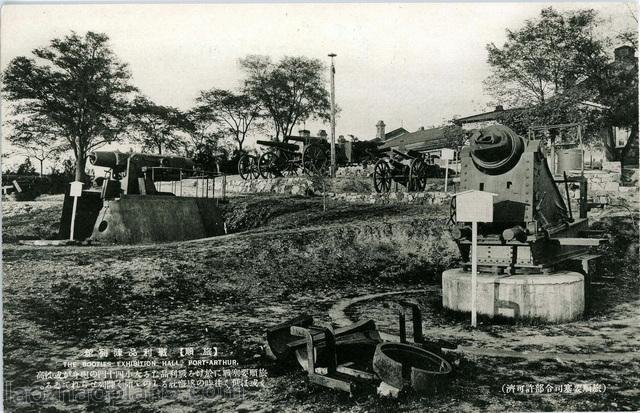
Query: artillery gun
{"x": 533, "y": 235}
{"x": 405, "y": 168}
{"x": 533, "y": 226}
{"x": 128, "y": 205}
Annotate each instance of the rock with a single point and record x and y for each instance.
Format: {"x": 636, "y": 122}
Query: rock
{"x": 387, "y": 390}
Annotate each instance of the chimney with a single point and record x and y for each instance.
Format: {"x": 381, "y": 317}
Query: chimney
{"x": 499, "y": 108}
{"x": 624, "y": 54}
{"x": 380, "y": 130}
{"x": 304, "y": 133}
{"x": 421, "y": 128}
{"x": 322, "y": 134}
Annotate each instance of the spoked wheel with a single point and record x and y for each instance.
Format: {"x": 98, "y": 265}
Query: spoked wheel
{"x": 268, "y": 165}
{"x": 452, "y": 211}
{"x": 382, "y": 176}
{"x": 245, "y": 166}
{"x": 315, "y": 160}
{"x": 254, "y": 172}
{"x": 291, "y": 165}
{"x": 418, "y": 172}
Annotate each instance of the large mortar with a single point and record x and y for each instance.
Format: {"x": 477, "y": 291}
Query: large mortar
{"x": 556, "y": 297}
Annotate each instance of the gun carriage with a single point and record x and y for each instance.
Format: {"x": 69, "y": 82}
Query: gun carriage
{"x": 286, "y": 159}
{"x": 410, "y": 169}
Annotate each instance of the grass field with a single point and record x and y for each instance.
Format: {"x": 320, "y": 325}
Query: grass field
{"x": 285, "y": 256}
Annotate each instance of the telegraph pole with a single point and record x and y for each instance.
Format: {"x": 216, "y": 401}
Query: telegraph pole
{"x": 333, "y": 117}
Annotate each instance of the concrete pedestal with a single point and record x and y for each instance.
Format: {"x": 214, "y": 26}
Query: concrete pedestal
{"x": 136, "y": 219}
{"x": 555, "y": 297}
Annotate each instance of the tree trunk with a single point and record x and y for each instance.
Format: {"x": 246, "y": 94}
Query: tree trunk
{"x": 81, "y": 162}
{"x": 609, "y": 143}
{"x": 41, "y": 161}
{"x": 633, "y": 136}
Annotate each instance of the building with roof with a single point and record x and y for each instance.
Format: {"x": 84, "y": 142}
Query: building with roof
{"x": 385, "y": 136}
{"x": 482, "y": 120}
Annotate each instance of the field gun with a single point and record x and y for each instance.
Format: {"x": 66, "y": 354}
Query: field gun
{"x": 533, "y": 226}
{"x": 410, "y": 169}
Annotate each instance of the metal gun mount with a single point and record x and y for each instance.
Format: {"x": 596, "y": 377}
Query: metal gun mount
{"x": 533, "y": 226}
{"x": 136, "y": 173}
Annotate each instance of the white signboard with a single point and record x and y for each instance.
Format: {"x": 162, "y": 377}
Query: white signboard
{"x": 474, "y": 206}
{"x": 447, "y": 154}
{"x": 76, "y": 188}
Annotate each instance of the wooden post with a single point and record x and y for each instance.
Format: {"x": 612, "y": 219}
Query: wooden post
{"x": 73, "y": 217}
{"x": 75, "y": 191}
{"x": 474, "y": 273}
{"x": 333, "y": 117}
{"x": 446, "y": 174}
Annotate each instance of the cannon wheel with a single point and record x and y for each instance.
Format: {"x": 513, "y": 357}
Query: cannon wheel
{"x": 315, "y": 160}
{"x": 255, "y": 173}
{"x": 246, "y": 166}
{"x": 290, "y": 164}
{"x": 452, "y": 211}
{"x": 382, "y": 176}
{"x": 268, "y": 165}
{"x": 418, "y": 172}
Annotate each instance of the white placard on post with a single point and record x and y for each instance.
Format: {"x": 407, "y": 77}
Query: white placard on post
{"x": 448, "y": 155}
{"x": 474, "y": 206}
{"x": 75, "y": 191}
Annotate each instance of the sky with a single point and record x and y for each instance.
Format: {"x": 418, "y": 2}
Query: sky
{"x": 409, "y": 65}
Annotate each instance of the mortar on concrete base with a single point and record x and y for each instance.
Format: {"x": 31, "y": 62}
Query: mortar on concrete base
{"x": 557, "y": 297}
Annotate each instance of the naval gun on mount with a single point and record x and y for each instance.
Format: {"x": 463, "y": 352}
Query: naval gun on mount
{"x": 127, "y": 207}
{"x": 533, "y": 226}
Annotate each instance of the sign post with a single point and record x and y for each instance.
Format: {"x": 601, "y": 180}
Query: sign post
{"x": 75, "y": 192}
{"x": 474, "y": 206}
{"x": 447, "y": 155}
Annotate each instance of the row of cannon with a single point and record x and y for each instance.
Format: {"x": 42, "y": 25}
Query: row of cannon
{"x": 410, "y": 169}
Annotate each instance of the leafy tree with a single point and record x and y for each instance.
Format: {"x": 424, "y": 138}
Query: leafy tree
{"x": 236, "y": 112}
{"x": 77, "y": 85}
{"x": 555, "y": 68}
{"x": 291, "y": 91}
{"x": 618, "y": 92}
{"x": 156, "y": 127}
{"x": 26, "y": 168}
{"x": 546, "y": 57}
{"x": 455, "y": 135}
{"x": 35, "y": 138}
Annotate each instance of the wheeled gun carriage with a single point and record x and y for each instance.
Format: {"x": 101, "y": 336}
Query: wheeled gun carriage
{"x": 286, "y": 159}
{"x": 409, "y": 169}
{"x": 127, "y": 205}
{"x": 533, "y": 226}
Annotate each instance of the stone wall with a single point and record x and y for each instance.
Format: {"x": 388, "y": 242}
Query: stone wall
{"x": 419, "y": 198}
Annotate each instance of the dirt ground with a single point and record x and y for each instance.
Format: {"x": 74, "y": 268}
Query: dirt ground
{"x": 286, "y": 256}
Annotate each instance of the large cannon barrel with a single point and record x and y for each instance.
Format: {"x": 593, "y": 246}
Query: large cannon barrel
{"x": 109, "y": 159}
{"x": 118, "y": 160}
{"x": 496, "y": 149}
{"x": 177, "y": 162}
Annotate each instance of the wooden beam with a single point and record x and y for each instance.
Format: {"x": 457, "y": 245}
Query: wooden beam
{"x": 587, "y": 242}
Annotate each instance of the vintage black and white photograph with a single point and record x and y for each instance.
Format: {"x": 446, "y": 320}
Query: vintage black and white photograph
{"x": 320, "y": 207}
